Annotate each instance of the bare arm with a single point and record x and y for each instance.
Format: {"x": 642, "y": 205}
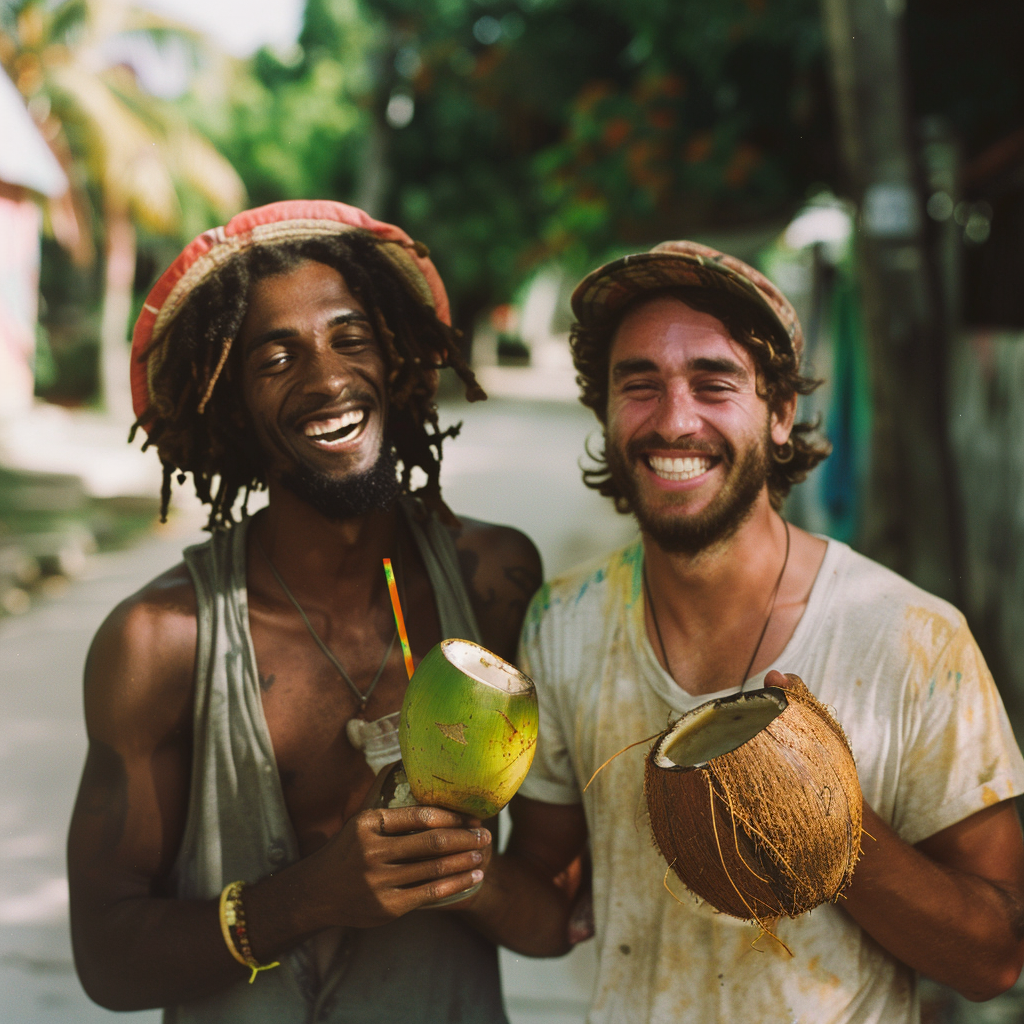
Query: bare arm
{"x": 520, "y": 905}
{"x": 136, "y": 946}
{"x": 951, "y": 906}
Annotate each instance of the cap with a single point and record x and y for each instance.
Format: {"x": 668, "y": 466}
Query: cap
{"x": 290, "y": 221}
{"x": 610, "y": 288}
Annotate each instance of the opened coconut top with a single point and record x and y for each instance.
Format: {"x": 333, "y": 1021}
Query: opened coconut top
{"x": 719, "y": 727}
{"x": 485, "y": 667}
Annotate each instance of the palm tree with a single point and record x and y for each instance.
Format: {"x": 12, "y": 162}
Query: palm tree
{"x": 127, "y": 153}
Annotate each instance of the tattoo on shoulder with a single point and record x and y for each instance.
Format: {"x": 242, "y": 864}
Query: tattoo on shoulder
{"x": 105, "y": 792}
{"x": 524, "y": 578}
{"x": 266, "y": 682}
{"x": 469, "y": 564}
{"x": 500, "y": 594}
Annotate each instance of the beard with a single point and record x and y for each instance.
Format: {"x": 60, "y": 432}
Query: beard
{"x": 336, "y": 498}
{"x": 677, "y": 533}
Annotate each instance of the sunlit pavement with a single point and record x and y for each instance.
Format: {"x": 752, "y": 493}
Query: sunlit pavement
{"x": 514, "y": 463}
{"x": 42, "y": 746}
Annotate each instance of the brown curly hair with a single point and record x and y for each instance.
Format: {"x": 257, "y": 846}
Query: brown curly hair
{"x": 778, "y": 378}
{"x": 197, "y": 419}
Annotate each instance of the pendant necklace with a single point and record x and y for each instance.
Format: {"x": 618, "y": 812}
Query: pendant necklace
{"x": 362, "y": 698}
{"x": 764, "y": 628}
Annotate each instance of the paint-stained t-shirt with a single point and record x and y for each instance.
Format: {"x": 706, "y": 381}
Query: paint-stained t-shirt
{"x": 932, "y": 743}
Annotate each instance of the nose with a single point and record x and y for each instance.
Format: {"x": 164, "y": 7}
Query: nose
{"x": 677, "y": 414}
{"x": 327, "y": 372}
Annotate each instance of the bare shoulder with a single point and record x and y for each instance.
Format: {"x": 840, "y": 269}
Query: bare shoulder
{"x": 139, "y": 672}
{"x": 502, "y": 570}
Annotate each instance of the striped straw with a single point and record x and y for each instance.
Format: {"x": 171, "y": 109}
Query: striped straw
{"x": 399, "y": 618}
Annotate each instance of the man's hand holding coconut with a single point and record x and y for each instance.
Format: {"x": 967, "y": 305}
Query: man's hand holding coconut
{"x": 726, "y": 878}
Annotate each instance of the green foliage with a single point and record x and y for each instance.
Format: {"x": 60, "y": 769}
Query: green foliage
{"x": 506, "y": 133}
{"x": 295, "y": 124}
{"x": 568, "y": 128}
{"x": 67, "y": 349}
{"x": 132, "y": 160}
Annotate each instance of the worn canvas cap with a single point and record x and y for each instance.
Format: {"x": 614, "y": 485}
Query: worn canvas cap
{"x": 607, "y": 290}
{"x": 291, "y": 221}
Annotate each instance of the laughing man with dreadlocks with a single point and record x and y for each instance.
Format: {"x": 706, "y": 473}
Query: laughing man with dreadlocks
{"x": 241, "y": 704}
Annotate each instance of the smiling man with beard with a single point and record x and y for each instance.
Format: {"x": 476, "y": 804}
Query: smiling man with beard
{"x": 691, "y": 361}
{"x": 226, "y": 858}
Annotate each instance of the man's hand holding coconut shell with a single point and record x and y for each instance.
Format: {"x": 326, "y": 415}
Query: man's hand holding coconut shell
{"x": 724, "y": 819}
{"x": 962, "y": 881}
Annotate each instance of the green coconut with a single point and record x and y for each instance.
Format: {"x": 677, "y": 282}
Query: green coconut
{"x": 468, "y": 729}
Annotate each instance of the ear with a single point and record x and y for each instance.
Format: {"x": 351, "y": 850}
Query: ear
{"x": 781, "y": 419}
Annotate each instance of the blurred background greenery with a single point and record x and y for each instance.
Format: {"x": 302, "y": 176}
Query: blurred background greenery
{"x": 507, "y": 133}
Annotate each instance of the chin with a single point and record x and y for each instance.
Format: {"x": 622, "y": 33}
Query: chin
{"x": 345, "y": 496}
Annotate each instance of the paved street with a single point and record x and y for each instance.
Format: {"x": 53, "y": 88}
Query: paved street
{"x": 514, "y": 463}
{"x": 42, "y": 746}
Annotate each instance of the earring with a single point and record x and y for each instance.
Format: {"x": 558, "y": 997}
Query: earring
{"x": 784, "y": 452}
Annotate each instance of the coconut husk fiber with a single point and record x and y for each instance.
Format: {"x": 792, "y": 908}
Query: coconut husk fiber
{"x": 769, "y": 829}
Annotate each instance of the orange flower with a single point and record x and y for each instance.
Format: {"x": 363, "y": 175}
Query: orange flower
{"x": 699, "y": 148}
{"x": 744, "y": 160}
{"x": 591, "y": 94}
{"x": 661, "y": 118}
{"x": 616, "y": 131}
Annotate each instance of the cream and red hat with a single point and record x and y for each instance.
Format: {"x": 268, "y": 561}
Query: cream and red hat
{"x": 291, "y": 221}
{"x": 607, "y": 290}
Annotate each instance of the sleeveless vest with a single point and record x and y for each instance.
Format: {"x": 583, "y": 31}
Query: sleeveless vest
{"x": 424, "y": 968}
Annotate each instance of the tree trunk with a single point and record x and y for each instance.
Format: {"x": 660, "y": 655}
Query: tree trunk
{"x": 119, "y": 276}
{"x": 912, "y": 520}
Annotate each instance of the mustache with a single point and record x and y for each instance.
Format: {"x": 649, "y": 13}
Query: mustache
{"x": 316, "y": 403}
{"x": 639, "y": 445}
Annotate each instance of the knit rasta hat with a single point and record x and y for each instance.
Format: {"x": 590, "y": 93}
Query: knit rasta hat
{"x": 291, "y": 221}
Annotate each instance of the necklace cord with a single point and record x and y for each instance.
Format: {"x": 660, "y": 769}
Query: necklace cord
{"x": 764, "y": 628}
{"x": 363, "y": 698}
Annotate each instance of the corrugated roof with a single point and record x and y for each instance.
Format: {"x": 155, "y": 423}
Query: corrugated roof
{"x": 25, "y": 159}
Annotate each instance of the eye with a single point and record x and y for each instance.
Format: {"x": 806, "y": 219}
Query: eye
{"x": 715, "y": 387}
{"x": 274, "y": 360}
{"x": 639, "y": 388}
{"x": 353, "y": 334}
{"x": 352, "y": 342}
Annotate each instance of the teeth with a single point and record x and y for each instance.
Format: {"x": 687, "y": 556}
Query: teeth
{"x": 679, "y": 468}
{"x": 320, "y": 427}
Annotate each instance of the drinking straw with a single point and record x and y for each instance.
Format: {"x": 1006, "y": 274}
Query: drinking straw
{"x": 399, "y": 618}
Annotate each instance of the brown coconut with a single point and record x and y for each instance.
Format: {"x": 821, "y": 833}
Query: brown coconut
{"x": 755, "y": 804}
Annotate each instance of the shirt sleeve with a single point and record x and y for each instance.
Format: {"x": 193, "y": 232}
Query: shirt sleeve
{"x": 551, "y": 778}
{"x": 961, "y": 755}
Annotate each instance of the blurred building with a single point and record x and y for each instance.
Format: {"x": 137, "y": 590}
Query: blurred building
{"x": 28, "y": 170}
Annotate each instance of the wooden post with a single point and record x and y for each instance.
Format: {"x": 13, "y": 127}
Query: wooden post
{"x": 912, "y": 521}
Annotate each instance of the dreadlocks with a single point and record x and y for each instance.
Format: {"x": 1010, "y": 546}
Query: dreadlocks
{"x": 197, "y": 419}
{"x": 778, "y": 377}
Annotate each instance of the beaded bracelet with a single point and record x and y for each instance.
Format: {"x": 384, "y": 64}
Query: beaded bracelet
{"x": 236, "y": 936}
